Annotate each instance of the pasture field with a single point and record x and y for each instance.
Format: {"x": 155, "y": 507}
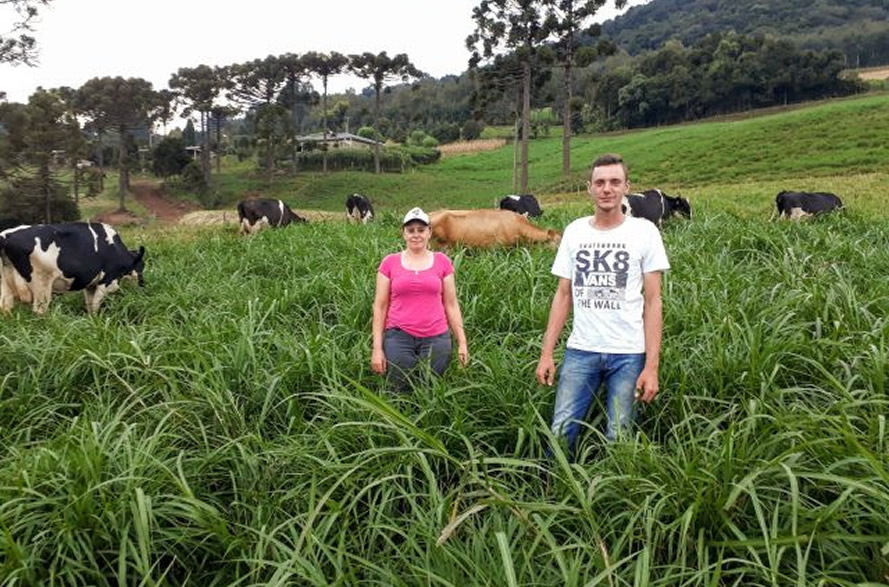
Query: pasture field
{"x": 818, "y": 145}
{"x": 221, "y": 426}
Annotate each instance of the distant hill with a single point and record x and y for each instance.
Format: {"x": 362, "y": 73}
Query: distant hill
{"x": 858, "y": 28}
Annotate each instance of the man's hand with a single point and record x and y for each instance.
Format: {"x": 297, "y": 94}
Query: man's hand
{"x": 546, "y": 370}
{"x": 646, "y": 385}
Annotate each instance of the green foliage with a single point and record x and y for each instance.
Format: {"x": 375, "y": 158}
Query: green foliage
{"x": 95, "y": 181}
{"x": 26, "y": 198}
{"x": 724, "y": 73}
{"x": 392, "y": 159}
{"x": 360, "y": 159}
{"x": 856, "y": 27}
{"x": 193, "y": 178}
{"x": 472, "y": 129}
{"x": 188, "y": 134}
{"x": 418, "y": 138}
{"x": 368, "y": 132}
{"x": 446, "y": 132}
{"x": 423, "y": 154}
{"x": 169, "y": 157}
{"x": 17, "y": 46}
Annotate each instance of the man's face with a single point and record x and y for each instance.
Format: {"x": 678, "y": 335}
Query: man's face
{"x": 608, "y": 186}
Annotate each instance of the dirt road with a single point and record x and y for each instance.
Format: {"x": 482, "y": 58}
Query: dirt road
{"x": 150, "y": 195}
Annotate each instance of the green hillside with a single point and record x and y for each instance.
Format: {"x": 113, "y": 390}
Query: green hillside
{"x": 813, "y": 147}
{"x": 856, "y": 27}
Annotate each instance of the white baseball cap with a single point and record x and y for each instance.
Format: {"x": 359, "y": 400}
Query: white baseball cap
{"x": 416, "y": 214}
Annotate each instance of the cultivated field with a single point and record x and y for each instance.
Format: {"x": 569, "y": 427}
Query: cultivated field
{"x": 463, "y": 147}
{"x": 877, "y": 73}
{"x": 222, "y": 426}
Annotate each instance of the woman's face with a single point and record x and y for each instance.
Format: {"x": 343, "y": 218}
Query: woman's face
{"x": 416, "y": 235}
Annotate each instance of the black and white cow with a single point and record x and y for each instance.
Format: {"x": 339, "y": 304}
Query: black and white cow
{"x": 656, "y": 206}
{"x": 359, "y": 209}
{"x": 525, "y": 205}
{"x": 254, "y": 215}
{"x": 796, "y": 205}
{"x": 37, "y": 260}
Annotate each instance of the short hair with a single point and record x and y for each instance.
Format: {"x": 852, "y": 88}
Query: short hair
{"x": 610, "y": 159}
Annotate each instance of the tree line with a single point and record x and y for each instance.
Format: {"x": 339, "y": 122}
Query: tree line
{"x": 722, "y": 74}
{"x": 272, "y": 90}
{"x": 858, "y": 28}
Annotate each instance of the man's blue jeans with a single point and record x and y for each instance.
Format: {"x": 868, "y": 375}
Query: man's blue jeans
{"x": 580, "y": 377}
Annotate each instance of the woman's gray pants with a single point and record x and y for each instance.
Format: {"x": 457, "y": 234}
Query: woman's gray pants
{"x": 404, "y": 352}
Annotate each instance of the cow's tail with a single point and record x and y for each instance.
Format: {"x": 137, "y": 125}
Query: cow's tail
{"x": 241, "y": 210}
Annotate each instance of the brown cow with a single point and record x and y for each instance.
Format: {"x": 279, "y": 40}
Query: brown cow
{"x": 486, "y": 228}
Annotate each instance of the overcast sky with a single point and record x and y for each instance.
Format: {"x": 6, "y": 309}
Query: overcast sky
{"x": 82, "y": 39}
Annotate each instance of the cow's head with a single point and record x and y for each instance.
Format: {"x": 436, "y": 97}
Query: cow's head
{"x": 138, "y": 266}
{"x": 554, "y": 237}
{"x": 679, "y": 205}
{"x": 296, "y": 217}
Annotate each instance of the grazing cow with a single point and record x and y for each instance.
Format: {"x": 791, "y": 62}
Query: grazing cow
{"x": 359, "y": 209}
{"x": 656, "y": 206}
{"x": 525, "y": 205}
{"x": 254, "y": 215}
{"x": 485, "y": 228}
{"x": 796, "y": 205}
{"x": 37, "y": 260}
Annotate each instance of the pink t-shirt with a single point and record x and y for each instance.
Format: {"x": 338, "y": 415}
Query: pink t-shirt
{"x": 416, "y": 298}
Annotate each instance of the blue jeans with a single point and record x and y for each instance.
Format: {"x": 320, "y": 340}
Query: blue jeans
{"x": 580, "y": 377}
{"x": 404, "y": 353}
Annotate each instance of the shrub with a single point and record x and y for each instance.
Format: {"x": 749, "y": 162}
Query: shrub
{"x": 471, "y": 130}
{"x": 369, "y": 132}
{"x": 359, "y": 159}
{"x": 24, "y": 200}
{"x": 447, "y": 132}
{"x": 193, "y": 177}
{"x": 169, "y": 157}
{"x": 429, "y": 142}
{"x": 421, "y": 155}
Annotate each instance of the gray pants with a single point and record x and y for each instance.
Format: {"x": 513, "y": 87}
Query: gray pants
{"x": 404, "y": 351}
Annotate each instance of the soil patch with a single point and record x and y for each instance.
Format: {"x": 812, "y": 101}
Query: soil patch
{"x": 152, "y": 197}
{"x": 118, "y": 218}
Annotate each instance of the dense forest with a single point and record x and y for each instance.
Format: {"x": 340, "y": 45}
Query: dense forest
{"x": 858, "y": 28}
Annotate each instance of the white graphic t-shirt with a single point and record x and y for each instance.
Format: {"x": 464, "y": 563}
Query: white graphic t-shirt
{"x": 605, "y": 268}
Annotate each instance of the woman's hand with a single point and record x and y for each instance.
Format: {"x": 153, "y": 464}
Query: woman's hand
{"x": 378, "y": 361}
{"x": 463, "y": 354}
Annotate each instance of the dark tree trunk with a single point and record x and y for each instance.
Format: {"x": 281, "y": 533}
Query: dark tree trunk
{"x": 47, "y": 191}
{"x": 376, "y": 128}
{"x": 205, "y": 150}
{"x": 123, "y": 183}
{"x": 294, "y": 155}
{"x": 101, "y": 158}
{"x": 566, "y": 114}
{"x": 218, "y": 144}
{"x": 76, "y": 184}
{"x": 324, "y": 127}
{"x": 526, "y": 126}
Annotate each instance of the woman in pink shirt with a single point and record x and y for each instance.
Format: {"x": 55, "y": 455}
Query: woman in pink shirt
{"x": 415, "y": 303}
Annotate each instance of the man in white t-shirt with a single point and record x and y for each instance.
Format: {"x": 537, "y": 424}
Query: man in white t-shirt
{"x": 609, "y": 268}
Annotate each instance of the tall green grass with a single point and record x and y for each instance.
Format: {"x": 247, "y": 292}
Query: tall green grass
{"x": 222, "y": 425}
